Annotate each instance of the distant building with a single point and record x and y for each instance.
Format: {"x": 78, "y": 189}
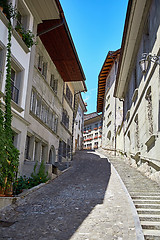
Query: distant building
{"x": 111, "y": 108}
{"x": 79, "y": 123}
{"x": 92, "y": 131}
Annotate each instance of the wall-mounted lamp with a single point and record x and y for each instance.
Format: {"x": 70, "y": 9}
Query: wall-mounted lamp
{"x": 146, "y": 59}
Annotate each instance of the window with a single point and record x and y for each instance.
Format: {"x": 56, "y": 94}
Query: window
{"x": 14, "y": 86}
{"x": 79, "y": 125}
{"x": 27, "y": 147}
{"x": 35, "y": 151}
{"x": 44, "y": 69}
{"x": 65, "y": 119}
{"x": 55, "y": 124}
{"x": 43, "y": 111}
{"x": 40, "y": 62}
{"x": 69, "y": 95}
{"x": 64, "y": 149}
{"x": 54, "y": 83}
{"x": 42, "y": 66}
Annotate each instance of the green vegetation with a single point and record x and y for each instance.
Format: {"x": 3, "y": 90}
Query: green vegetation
{"x": 9, "y": 156}
{"x": 35, "y": 179}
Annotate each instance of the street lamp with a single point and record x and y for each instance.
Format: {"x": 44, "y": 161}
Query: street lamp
{"x": 146, "y": 59}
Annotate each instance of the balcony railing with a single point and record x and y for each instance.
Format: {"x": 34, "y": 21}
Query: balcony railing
{"x": 15, "y": 93}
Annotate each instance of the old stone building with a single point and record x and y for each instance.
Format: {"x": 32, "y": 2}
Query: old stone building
{"x": 80, "y": 109}
{"x": 139, "y": 88}
{"x": 92, "y": 134}
{"x": 111, "y": 108}
{"x": 45, "y": 80}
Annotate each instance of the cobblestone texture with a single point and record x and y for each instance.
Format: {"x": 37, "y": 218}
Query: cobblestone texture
{"x": 133, "y": 179}
{"x": 87, "y": 202}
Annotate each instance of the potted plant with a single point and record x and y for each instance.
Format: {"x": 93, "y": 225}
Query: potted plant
{"x": 28, "y": 37}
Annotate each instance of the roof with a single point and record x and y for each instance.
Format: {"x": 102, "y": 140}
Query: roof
{"x": 105, "y": 70}
{"x": 91, "y": 116}
{"x": 56, "y": 37}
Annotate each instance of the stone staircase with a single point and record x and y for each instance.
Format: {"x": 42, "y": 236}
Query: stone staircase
{"x": 148, "y": 209}
{"x": 145, "y": 194}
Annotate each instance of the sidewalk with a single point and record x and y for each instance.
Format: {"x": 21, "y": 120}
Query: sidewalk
{"x": 113, "y": 219}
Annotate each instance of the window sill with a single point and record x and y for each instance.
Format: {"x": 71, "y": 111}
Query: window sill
{"x": 16, "y": 107}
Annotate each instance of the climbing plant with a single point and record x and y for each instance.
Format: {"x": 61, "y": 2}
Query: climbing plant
{"x": 9, "y": 157}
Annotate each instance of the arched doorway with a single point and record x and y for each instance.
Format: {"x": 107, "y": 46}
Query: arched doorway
{"x": 52, "y": 155}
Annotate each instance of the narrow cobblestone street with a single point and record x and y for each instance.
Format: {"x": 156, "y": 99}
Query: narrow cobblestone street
{"x": 85, "y": 202}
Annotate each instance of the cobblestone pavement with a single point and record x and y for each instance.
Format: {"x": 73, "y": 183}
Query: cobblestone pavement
{"x": 133, "y": 179}
{"x": 87, "y": 202}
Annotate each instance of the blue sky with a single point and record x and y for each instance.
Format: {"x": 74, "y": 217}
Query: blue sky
{"x": 96, "y": 27}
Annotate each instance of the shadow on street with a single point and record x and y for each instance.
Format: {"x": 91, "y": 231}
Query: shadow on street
{"x": 57, "y": 210}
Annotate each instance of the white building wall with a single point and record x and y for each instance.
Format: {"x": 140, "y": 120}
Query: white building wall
{"x": 112, "y": 115}
{"x": 20, "y": 62}
{"x": 141, "y": 105}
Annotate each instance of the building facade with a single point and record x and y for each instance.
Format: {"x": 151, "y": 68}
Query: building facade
{"x": 92, "y": 134}
{"x": 140, "y": 92}
{"x": 44, "y": 85}
{"x": 20, "y": 62}
{"x": 111, "y": 108}
{"x": 80, "y": 109}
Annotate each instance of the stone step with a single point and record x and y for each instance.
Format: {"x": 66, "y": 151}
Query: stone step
{"x": 151, "y": 234}
{"x": 150, "y": 225}
{"x": 148, "y": 206}
{"x": 153, "y": 197}
{"x": 146, "y": 201}
{"x": 148, "y": 211}
{"x": 149, "y": 217}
